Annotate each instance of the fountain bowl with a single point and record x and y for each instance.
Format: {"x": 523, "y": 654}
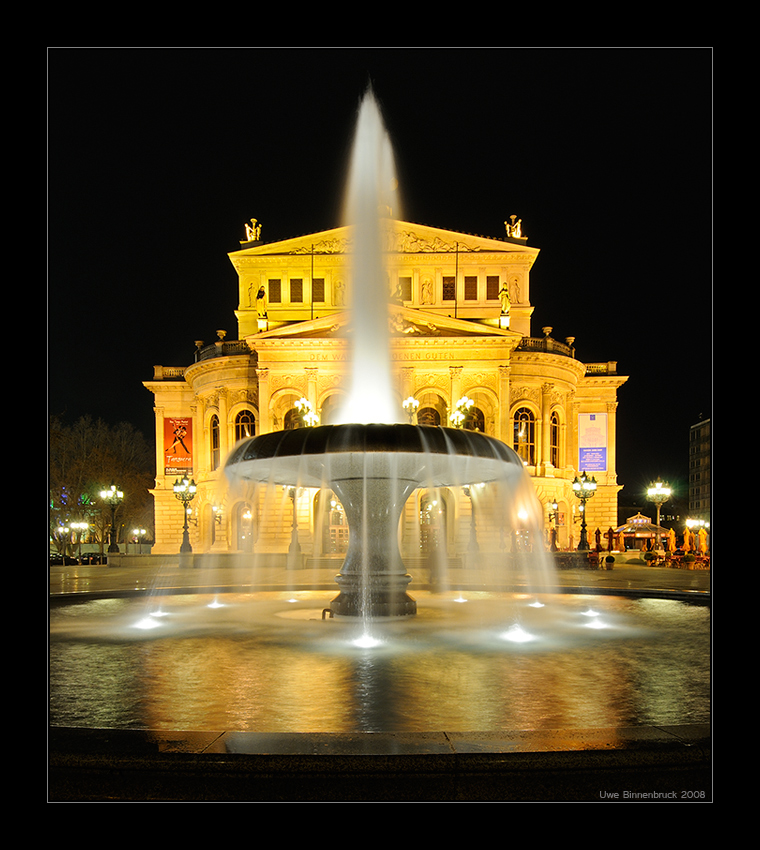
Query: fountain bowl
{"x": 373, "y": 468}
{"x": 433, "y": 456}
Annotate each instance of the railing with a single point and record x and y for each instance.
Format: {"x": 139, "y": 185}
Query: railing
{"x": 545, "y": 343}
{"x": 551, "y": 346}
{"x": 206, "y": 352}
{"x": 222, "y": 349}
{"x": 609, "y": 368}
{"x": 168, "y": 373}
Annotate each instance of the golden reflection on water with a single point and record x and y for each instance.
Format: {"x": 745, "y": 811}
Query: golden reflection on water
{"x": 254, "y": 676}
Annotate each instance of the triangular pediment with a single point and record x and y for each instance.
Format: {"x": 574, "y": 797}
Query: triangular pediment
{"x": 436, "y": 274}
{"x": 402, "y": 237}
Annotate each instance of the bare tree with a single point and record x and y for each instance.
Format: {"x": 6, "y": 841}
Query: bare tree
{"x": 85, "y": 458}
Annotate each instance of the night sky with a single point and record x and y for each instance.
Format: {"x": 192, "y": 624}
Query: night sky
{"x": 158, "y": 156}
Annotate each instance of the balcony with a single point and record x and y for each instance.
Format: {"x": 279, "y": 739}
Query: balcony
{"x": 546, "y": 344}
{"x": 564, "y": 349}
{"x": 221, "y": 348}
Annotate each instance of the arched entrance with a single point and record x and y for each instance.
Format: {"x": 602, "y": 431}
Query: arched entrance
{"x": 244, "y": 527}
{"x": 433, "y": 522}
{"x": 332, "y": 524}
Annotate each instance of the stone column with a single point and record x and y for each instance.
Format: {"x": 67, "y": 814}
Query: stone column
{"x": 160, "y": 463}
{"x": 503, "y": 423}
{"x": 455, "y": 373}
{"x": 571, "y": 442}
{"x": 204, "y": 441}
{"x": 265, "y": 417}
{"x": 545, "y": 436}
{"x": 407, "y": 382}
{"x": 226, "y": 435}
{"x": 612, "y": 442}
{"x": 311, "y": 387}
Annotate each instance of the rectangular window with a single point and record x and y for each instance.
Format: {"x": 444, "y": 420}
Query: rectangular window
{"x": 318, "y": 289}
{"x": 405, "y": 284}
{"x": 275, "y": 291}
{"x": 492, "y": 287}
{"x": 296, "y": 290}
{"x": 449, "y": 289}
{"x": 470, "y": 288}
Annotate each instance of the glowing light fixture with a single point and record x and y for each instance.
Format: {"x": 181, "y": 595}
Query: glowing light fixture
{"x": 517, "y": 635}
{"x": 658, "y": 493}
{"x": 184, "y": 490}
{"x": 366, "y": 642}
{"x": 410, "y": 405}
{"x": 305, "y": 410}
{"x": 585, "y": 489}
{"x": 113, "y": 497}
{"x": 460, "y": 411}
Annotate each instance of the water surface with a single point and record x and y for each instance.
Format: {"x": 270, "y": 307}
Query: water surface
{"x": 263, "y": 663}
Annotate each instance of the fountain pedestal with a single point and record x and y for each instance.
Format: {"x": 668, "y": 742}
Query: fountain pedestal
{"x": 373, "y": 580}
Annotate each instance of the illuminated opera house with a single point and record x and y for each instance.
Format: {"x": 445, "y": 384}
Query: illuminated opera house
{"x": 463, "y": 354}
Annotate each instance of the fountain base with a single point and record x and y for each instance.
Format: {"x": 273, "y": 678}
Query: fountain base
{"x": 381, "y": 596}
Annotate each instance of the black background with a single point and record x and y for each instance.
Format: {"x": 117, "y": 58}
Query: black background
{"x": 157, "y": 157}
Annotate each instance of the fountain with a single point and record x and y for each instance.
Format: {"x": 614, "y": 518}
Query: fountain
{"x": 245, "y": 665}
{"x": 370, "y": 460}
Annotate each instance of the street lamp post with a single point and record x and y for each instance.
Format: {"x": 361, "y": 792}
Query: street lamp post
{"x": 184, "y": 490}
{"x": 139, "y": 533}
{"x": 554, "y": 516}
{"x": 585, "y": 489}
{"x": 459, "y": 415}
{"x": 80, "y": 528}
{"x": 114, "y": 497}
{"x": 410, "y": 405}
{"x": 658, "y": 493}
{"x": 308, "y": 417}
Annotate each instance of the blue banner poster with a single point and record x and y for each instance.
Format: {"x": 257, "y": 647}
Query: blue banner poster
{"x": 592, "y": 442}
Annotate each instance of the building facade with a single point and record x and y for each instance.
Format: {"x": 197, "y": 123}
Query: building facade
{"x": 460, "y": 315}
{"x": 700, "y": 454}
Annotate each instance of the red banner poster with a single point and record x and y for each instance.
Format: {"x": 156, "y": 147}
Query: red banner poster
{"x": 178, "y": 445}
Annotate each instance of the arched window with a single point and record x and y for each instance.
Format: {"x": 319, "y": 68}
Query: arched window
{"x": 433, "y": 522}
{"x": 554, "y": 440}
{"x": 215, "y": 444}
{"x": 334, "y": 524}
{"x": 330, "y": 409}
{"x": 293, "y": 420}
{"x": 428, "y": 416}
{"x": 524, "y": 436}
{"x": 245, "y": 425}
{"x": 244, "y": 528}
{"x": 475, "y": 420}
